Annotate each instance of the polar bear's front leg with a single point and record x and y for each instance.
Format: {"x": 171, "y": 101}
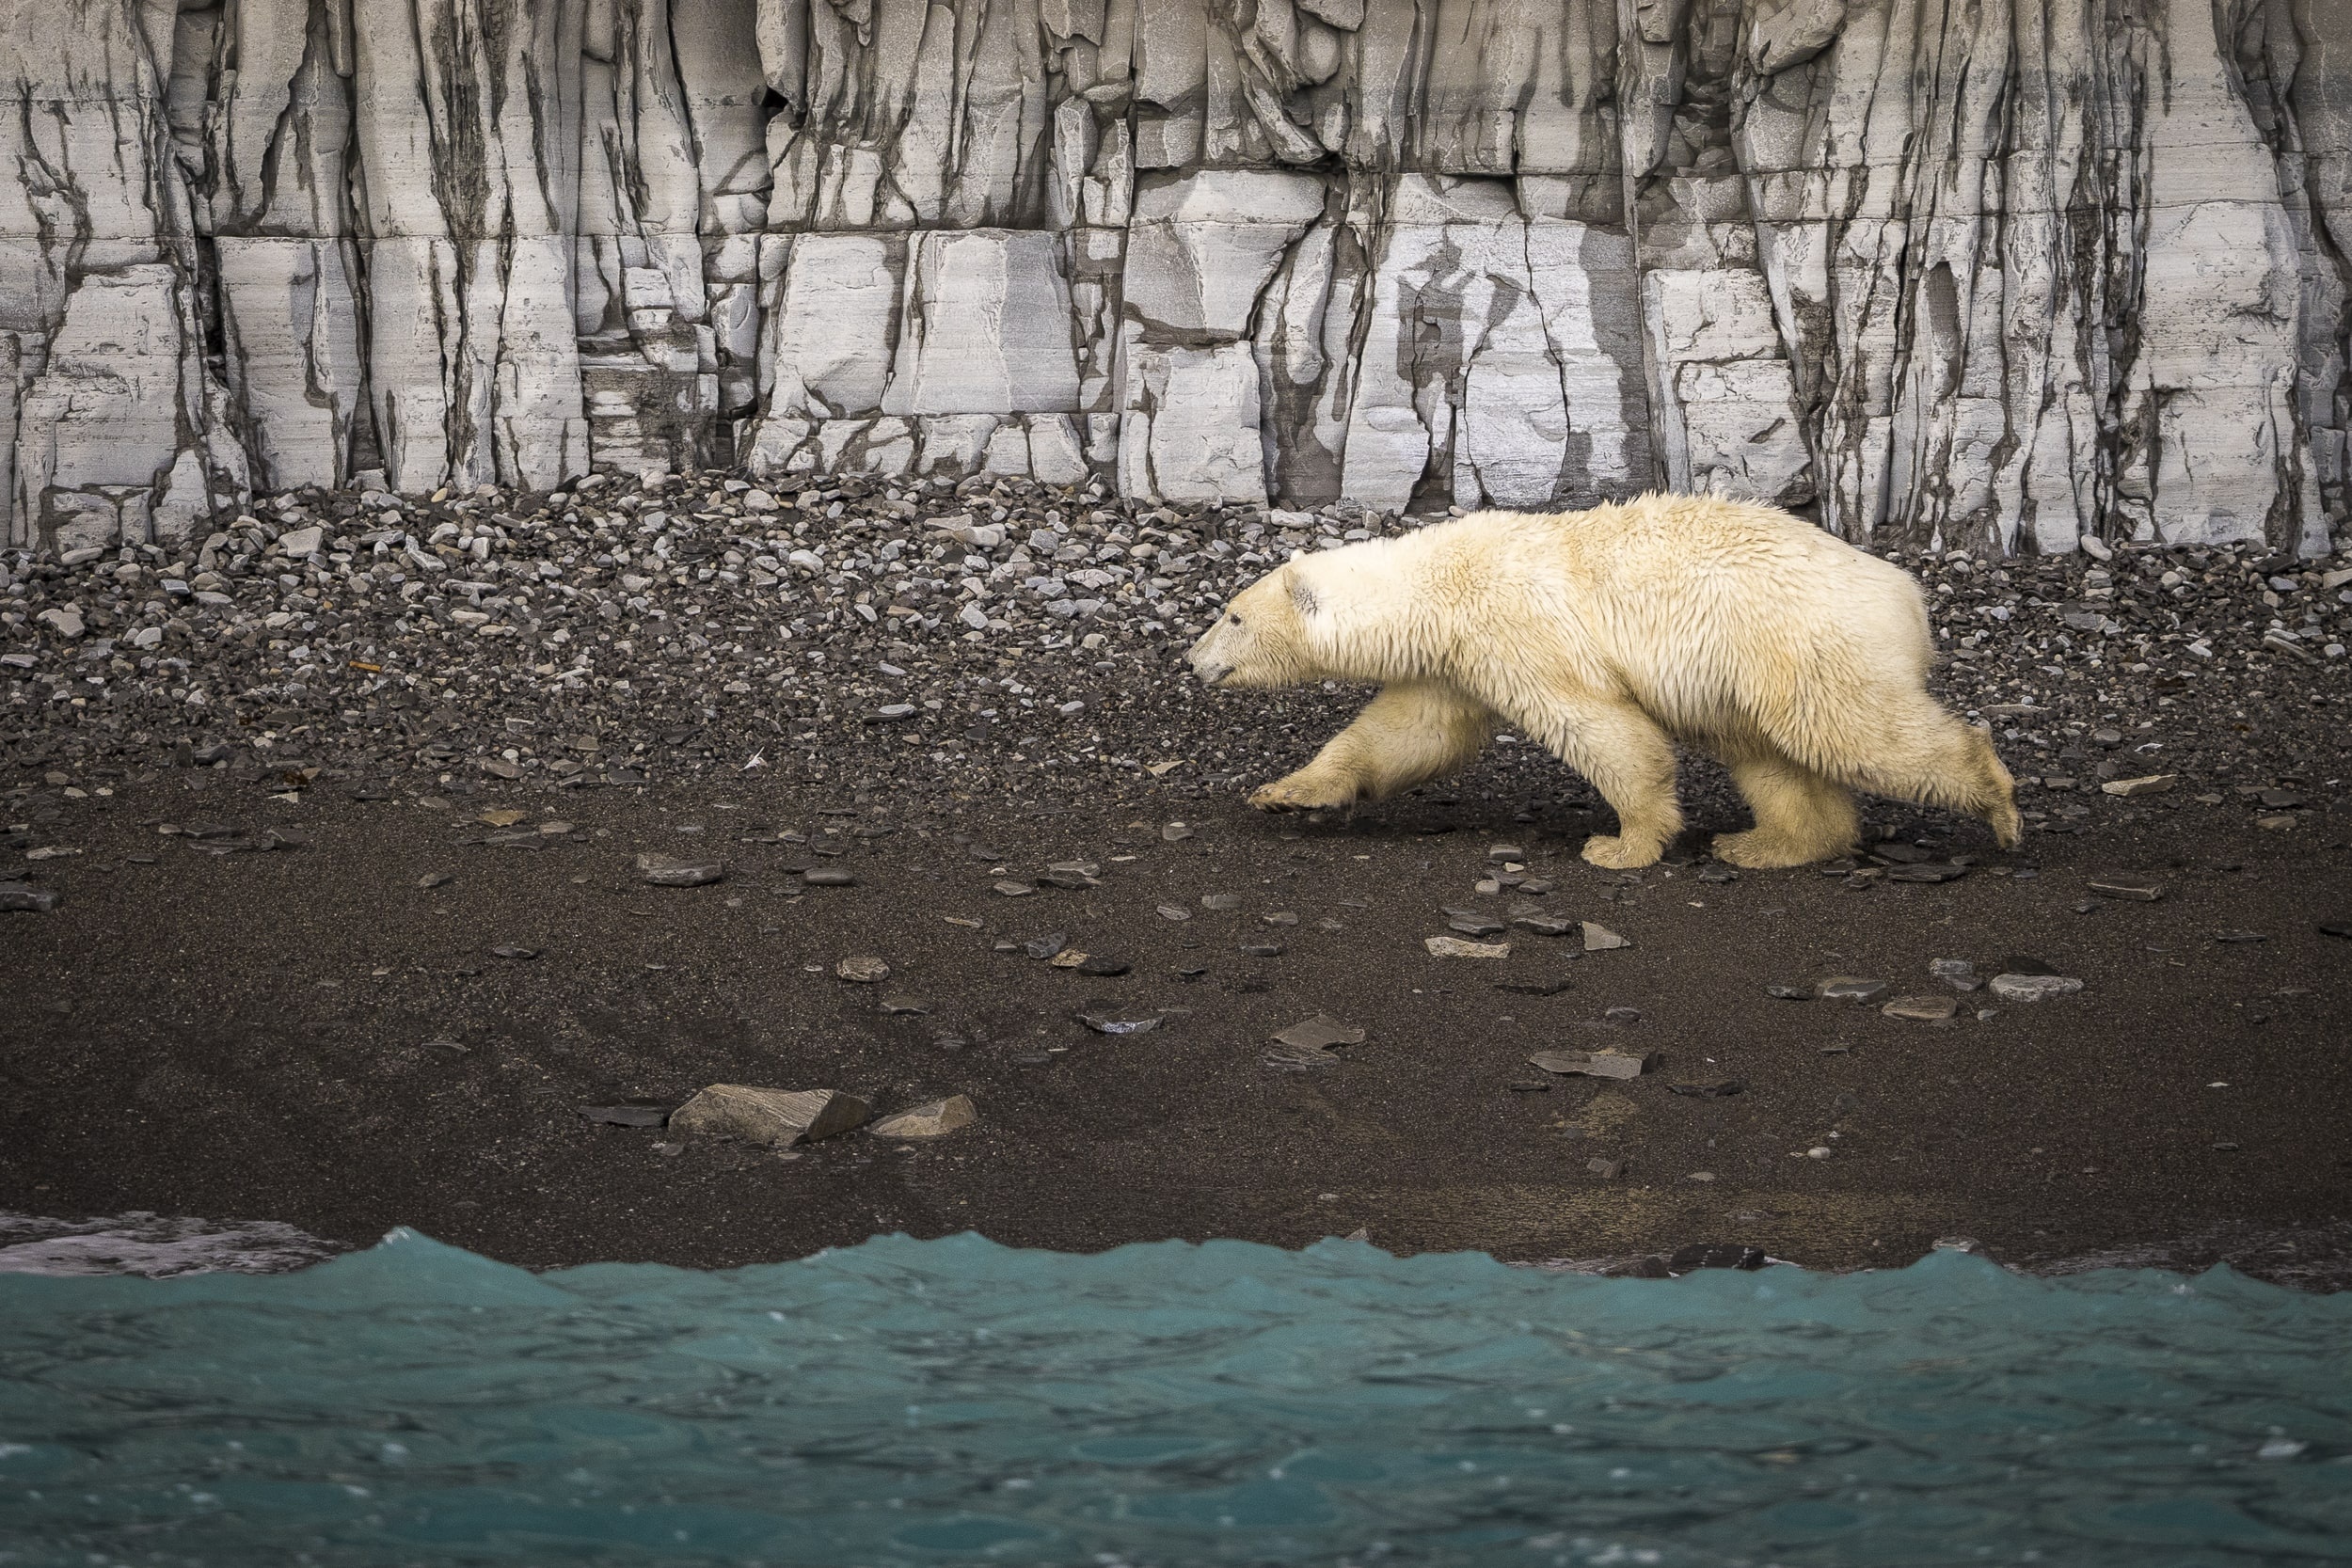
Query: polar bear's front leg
{"x": 1411, "y": 733}
{"x": 1800, "y": 816}
{"x": 1631, "y": 761}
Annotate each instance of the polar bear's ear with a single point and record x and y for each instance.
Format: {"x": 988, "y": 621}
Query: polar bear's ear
{"x": 1302, "y": 595}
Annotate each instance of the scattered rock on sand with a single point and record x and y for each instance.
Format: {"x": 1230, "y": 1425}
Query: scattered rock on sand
{"x": 1959, "y": 974}
{"x": 2154, "y": 784}
{"x": 2034, "y": 988}
{"x": 668, "y": 871}
{"x": 1113, "y": 1018}
{"x": 1455, "y": 947}
{"x": 1593, "y": 1064}
{"x": 1922, "y": 1010}
{"x": 628, "y": 1113}
{"x": 1600, "y": 939}
{"x": 934, "y": 1120}
{"x": 1320, "y": 1033}
{"x": 21, "y": 899}
{"x": 776, "y": 1118}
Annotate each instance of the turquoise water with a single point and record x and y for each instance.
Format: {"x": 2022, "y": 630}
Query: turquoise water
{"x": 954, "y": 1401}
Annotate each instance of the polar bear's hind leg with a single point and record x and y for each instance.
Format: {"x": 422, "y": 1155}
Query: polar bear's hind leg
{"x": 1926, "y": 754}
{"x": 1412, "y": 732}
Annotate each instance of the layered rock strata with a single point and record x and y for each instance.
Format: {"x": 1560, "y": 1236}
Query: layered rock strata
{"x": 1997, "y": 273}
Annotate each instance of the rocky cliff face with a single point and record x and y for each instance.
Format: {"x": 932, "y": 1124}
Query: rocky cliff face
{"x": 1980, "y": 271}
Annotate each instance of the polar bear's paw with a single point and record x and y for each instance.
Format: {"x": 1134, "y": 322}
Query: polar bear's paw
{"x": 1758, "y": 851}
{"x": 1613, "y": 853}
{"x": 1305, "y": 791}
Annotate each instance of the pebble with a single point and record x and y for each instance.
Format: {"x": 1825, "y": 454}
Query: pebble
{"x": 2154, "y": 784}
{"x": 1455, "y": 947}
{"x": 1922, "y": 1010}
{"x": 1474, "y": 925}
{"x": 900, "y": 1002}
{"x": 1320, "y": 1033}
{"x": 1262, "y": 949}
{"x": 2138, "y": 890}
{"x": 667, "y": 871}
{"x": 863, "y": 971}
{"x": 1013, "y": 889}
{"x": 1221, "y": 902}
{"x": 828, "y": 877}
{"x": 1600, "y": 939}
{"x": 508, "y": 950}
{"x": 1850, "y": 987}
{"x": 1608, "y": 1170}
{"x": 1114, "y": 1018}
{"x": 1098, "y": 966}
{"x": 1959, "y": 974}
{"x": 1546, "y": 925}
{"x": 934, "y": 1121}
{"x": 628, "y": 1113}
{"x": 1593, "y": 1064}
{"x": 1928, "y": 871}
{"x": 2034, "y": 988}
{"x": 21, "y": 899}
{"x": 777, "y": 1118}
{"x": 1174, "y": 912}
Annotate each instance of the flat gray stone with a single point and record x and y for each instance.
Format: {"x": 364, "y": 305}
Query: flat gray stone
{"x": 669, "y": 871}
{"x": 2034, "y": 988}
{"x": 1593, "y": 1064}
{"x": 1850, "y": 987}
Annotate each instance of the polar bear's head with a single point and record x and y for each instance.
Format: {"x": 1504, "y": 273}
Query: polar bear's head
{"x": 1267, "y": 635}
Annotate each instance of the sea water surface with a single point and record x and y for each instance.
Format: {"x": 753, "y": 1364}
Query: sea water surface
{"x": 957, "y": 1401}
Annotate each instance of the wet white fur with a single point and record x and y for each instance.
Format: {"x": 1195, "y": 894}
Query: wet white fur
{"x": 1610, "y": 636}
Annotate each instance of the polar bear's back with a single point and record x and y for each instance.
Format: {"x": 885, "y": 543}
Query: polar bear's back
{"x": 1708, "y": 611}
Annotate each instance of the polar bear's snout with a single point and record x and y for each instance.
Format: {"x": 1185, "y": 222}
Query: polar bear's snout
{"x": 1207, "y": 664}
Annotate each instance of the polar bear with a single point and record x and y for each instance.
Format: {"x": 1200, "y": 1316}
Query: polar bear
{"x": 1610, "y": 636}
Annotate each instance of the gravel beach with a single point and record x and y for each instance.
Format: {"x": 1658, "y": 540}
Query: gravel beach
{"x": 403, "y": 861}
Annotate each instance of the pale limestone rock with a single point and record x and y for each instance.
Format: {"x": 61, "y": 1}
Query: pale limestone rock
{"x": 1998, "y": 278}
{"x": 982, "y": 327}
{"x": 105, "y": 414}
{"x": 832, "y": 336}
{"x": 1201, "y": 251}
{"x": 1190, "y": 431}
{"x": 934, "y": 1120}
{"x": 776, "y": 1118}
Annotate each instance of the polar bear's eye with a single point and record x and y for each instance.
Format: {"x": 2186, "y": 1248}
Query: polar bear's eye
{"x": 1235, "y": 619}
